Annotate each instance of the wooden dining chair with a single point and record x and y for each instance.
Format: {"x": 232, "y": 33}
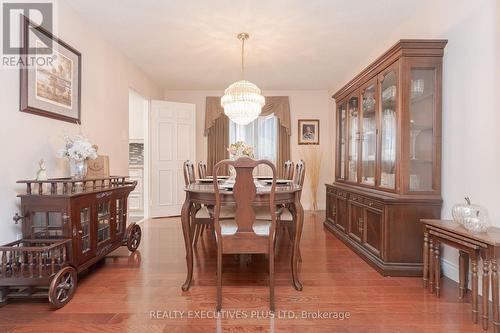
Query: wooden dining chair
{"x": 288, "y": 170}
{"x": 285, "y": 217}
{"x": 189, "y": 176}
{"x": 202, "y": 169}
{"x": 244, "y": 234}
{"x": 200, "y": 215}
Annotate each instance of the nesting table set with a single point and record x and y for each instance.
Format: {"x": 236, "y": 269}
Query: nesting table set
{"x": 485, "y": 246}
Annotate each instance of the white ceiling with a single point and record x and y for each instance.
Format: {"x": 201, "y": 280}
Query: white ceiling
{"x": 294, "y": 44}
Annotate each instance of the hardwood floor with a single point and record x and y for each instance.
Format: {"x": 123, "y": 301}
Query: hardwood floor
{"x": 119, "y": 295}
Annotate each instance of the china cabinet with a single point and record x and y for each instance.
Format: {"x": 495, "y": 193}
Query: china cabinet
{"x": 388, "y": 156}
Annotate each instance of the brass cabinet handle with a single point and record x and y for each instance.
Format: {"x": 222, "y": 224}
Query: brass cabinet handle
{"x": 360, "y": 225}
{"x": 334, "y": 211}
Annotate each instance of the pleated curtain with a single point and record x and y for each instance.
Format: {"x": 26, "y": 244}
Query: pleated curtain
{"x": 217, "y": 130}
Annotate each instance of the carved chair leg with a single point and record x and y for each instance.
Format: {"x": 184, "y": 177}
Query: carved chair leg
{"x": 277, "y": 241}
{"x": 202, "y": 229}
{"x": 271, "y": 279}
{"x": 219, "y": 278}
{"x": 196, "y": 234}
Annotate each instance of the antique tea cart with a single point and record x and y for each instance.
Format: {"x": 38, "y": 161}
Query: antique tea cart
{"x": 67, "y": 225}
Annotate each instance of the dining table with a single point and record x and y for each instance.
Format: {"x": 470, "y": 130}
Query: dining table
{"x": 202, "y": 192}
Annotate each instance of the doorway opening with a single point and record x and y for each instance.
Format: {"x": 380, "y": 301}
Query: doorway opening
{"x": 138, "y": 155}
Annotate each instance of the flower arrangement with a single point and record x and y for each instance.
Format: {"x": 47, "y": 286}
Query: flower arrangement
{"x": 78, "y": 148}
{"x": 240, "y": 148}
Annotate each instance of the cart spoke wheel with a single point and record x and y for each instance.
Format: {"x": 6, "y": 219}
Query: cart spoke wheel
{"x": 134, "y": 238}
{"x": 62, "y": 287}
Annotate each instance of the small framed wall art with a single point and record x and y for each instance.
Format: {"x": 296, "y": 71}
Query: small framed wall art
{"x": 308, "y": 132}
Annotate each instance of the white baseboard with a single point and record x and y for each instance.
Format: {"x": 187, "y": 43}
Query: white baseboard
{"x": 450, "y": 270}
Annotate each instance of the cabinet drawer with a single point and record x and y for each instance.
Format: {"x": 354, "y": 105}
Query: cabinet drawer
{"x": 365, "y": 201}
{"x": 373, "y": 204}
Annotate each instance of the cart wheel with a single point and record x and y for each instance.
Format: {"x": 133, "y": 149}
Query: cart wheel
{"x": 134, "y": 238}
{"x": 62, "y": 288}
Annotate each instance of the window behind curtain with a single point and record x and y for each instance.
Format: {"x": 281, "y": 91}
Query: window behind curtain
{"x": 261, "y": 134}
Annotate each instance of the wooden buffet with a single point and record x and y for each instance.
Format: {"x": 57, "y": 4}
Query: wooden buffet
{"x": 67, "y": 225}
{"x": 388, "y": 157}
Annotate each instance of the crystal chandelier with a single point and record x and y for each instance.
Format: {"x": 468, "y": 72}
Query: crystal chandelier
{"x": 242, "y": 100}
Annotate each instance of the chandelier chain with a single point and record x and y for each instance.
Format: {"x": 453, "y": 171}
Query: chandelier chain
{"x": 243, "y": 58}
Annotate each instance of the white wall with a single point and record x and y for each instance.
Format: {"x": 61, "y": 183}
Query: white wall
{"x": 303, "y": 104}
{"x": 471, "y": 115}
{"x": 106, "y": 77}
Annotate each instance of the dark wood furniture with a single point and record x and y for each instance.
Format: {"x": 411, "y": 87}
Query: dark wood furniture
{"x": 244, "y": 234}
{"x": 204, "y": 194}
{"x": 388, "y": 164}
{"x": 474, "y": 246}
{"x": 288, "y": 170}
{"x": 200, "y": 216}
{"x": 202, "y": 169}
{"x": 67, "y": 226}
{"x": 285, "y": 215}
{"x": 189, "y": 175}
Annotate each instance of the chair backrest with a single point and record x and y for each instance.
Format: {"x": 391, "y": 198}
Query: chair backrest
{"x": 300, "y": 173}
{"x": 202, "y": 169}
{"x": 288, "y": 170}
{"x": 189, "y": 176}
{"x": 244, "y": 192}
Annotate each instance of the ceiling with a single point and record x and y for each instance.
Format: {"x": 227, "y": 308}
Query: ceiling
{"x": 294, "y": 44}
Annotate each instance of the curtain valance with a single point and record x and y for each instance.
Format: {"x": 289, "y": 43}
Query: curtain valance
{"x": 279, "y": 105}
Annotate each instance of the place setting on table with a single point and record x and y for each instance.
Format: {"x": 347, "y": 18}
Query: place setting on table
{"x": 243, "y": 209}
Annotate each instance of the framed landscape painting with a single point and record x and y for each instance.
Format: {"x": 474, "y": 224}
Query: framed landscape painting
{"x": 308, "y": 131}
{"x": 51, "y": 83}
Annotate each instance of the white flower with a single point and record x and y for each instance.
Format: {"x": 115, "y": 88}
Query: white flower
{"x": 78, "y": 148}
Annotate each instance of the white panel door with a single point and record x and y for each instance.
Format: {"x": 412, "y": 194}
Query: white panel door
{"x": 172, "y": 130}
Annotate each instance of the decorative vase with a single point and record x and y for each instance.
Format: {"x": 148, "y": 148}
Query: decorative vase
{"x": 473, "y": 217}
{"x": 77, "y": 168}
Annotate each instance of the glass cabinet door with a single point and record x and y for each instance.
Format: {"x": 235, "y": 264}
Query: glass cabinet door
{"x": 388, "y": 130}
{"x": 353, "y": 136}
{"x": 422, "y": 115}
{"x": 84, "y": 230}
{"x": 103, "y": 221}
{"x": 369, "y": 135}
{"x": 85, "y": 235}
{"x": 342, "y": 115}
